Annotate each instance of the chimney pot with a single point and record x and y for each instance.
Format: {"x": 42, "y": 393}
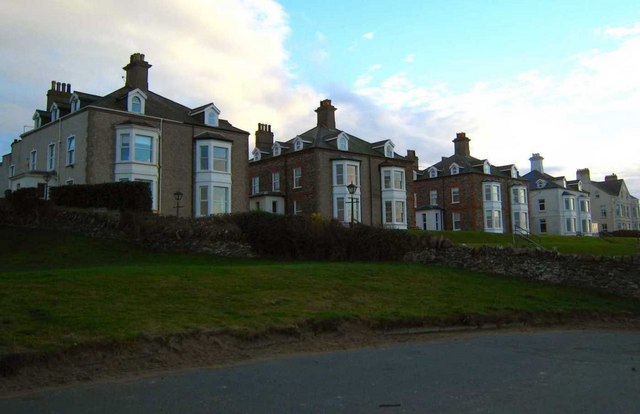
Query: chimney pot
{"x": 461, "y": 144}
{"x": 326, "y": 114}
{"x": 137, "y": 72}
{"x": 264, "y": 138}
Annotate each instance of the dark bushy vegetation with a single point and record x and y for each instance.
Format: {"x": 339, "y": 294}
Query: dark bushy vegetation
{"x": 124, "y": 196}
{"x": 625, "y": 233}
{"x": 317, "y": 238}
{"x": 25, "y": 202}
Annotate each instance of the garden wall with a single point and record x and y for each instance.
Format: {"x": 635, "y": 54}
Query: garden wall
{"x": 618, "y": 274}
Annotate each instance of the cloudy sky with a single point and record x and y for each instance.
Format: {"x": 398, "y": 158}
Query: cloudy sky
{"x": 561, "y": 78}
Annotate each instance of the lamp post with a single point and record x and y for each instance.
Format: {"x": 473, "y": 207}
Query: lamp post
{"x": 178, "y": 196}
{"x": 351, "y": 188}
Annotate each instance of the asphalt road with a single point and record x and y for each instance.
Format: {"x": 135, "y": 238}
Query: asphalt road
{"x": 545, "y": 372}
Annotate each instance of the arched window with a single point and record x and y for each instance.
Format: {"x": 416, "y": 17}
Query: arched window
{"x": 343, "y": 145}
{"x": 433, "y": 173}
{"x": 136, "y": 105}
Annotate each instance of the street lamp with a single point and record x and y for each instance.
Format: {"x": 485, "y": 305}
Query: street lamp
{"x": 178, "y": 196}
{"x": 351, "y": 188}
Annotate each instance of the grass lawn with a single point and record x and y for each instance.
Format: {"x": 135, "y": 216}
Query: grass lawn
{"x": 605, "y": 246}
{"x": 57, "y": 290}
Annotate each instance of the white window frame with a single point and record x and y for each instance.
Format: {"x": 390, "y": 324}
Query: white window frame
{"x": 74, "y": 102}
{"x": 204, "y": 158}
{"x": 55, "y": 112}
{"x": 433, "y": 172}
{"x": 455, "y": 195}
{"x": 211, "y": 116}
{"x": 298, "y": 144}
{"x": 275, "y": 181}
{"x": 51, "y": 156}
{"x": 276, "y": 149}
{"x": 454, "y": 169}
{"x": 12, "y": 170}
{"x": 257, "y": 154}
{"x": 137, "y": 93}
{"x": 569, "y": 203}
{"x": 456, "y": 218}
{"x": 225, "y": 202}
{"x": 493, "y": 191}
{"x": 433, "y": 197}
{"x": 389, "y": 149}
{"x": 71, "y": 150}
{"x": 493, "y": 220}
{"x": 297, "y": 177}
{"x": 342, "y": 143}
{"x": 486, "y": 167}
{"x": 296, "y": 208}
{"x": 33, "y": 160}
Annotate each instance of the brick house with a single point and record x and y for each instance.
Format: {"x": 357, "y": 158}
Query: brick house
{"x": 132, "y": 134}
{"x": 558, "y": 206}
{"x": 311, "y": 172}
{"x": 465, "y": 193}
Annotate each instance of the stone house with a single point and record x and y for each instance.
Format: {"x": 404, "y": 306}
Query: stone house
{"x": 465, "y": 193}
{"x": 134, "y": 134}
{"x": 558, "y": 206}
{"x": 311, "y": 173}
{"x": 614, "y": 208}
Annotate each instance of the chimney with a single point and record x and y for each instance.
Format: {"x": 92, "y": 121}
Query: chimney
{"x": 137, "y": 72}
{"x": 326, "y": 114}
{"x": 461, "y": 144}
{"x": 411, "y": 156}
{"x": 611, "y": 177}
{"x": 536, "y": 162}
{"x": 59, "y": 92}
{"x": 264, "y": 137}
{"x": 583, "y": 175}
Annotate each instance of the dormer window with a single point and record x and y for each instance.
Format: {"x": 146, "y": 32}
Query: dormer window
{"x": 579, "y": 185}
{"x": 136, "y": 101}
{"x": 388, "y": 149}
{"x": 433, "y": 172}
{"x": 541, "y": 183}
{"x": 37, "y": 121}
{"x": 298, "y": 144}
{"x": 256, "y": 154}
{"x": 454, "y": 169}
{"x": 276, "y": 149}
{"x": 211, "y": 114}
{"x": 514, "y": 172}
{"x": 75, "y": 103}
{"x": 55, "y": 112}
{"x": 486, "y": 167}
{"x": 343, "y": 143}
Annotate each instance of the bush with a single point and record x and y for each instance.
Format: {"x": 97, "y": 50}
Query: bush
{"x": 124, "y": 196}
{"x": 316, "y": 238}
{"x": 26, "y": 201}
{"x": 625, "y": 233}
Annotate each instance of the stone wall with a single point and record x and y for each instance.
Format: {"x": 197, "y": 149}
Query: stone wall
{"x": 619, "y": 275}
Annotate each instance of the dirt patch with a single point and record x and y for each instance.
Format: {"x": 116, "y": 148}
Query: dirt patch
{"x": 23, "y": 373}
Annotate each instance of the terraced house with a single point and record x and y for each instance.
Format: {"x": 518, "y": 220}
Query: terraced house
{"x": 332, "y": 173}
{"x": 134, "y": 134}
{"x": 465, "y": 193}
{"x": 558, "y": 206}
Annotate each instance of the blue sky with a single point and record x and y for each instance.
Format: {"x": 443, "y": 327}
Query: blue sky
{"x": 557, "y": 77}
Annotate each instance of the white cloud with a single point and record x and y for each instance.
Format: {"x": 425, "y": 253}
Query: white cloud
{"x": 587, "y": 117}
{"x": 410, "y": 58}
{"x": 374, "y": 67}
{"x": 620, "y": 32}
{"x": 368, "y": 36}
{"x": 194, "y": 58}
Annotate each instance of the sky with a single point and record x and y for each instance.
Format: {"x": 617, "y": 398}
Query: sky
{"x": 559, "y": 78}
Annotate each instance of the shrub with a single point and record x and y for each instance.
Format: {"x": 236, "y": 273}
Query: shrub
{"x": 26, "y": 201}
{"x": 625, "y": 233}
{"x": 124, "y": 196}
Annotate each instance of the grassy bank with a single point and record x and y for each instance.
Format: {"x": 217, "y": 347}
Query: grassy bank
{"x": 605, "y": 246}
{"x": 59, "y": 290}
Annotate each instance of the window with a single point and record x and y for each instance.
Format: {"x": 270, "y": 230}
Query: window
{"x": 343, "y": 144}
{"x": 143, "y": 148}
{"x": 433, "y": 173}
{"x": 297, "y": 177}
{"x": 212, "y": 118}
{"x": 33, "y": 160}
{"x": 586, "y": 226}
{"x": 55, "y": 112}
{"x": 220, "y": 202}
{"x": 51, "y": 157}
{"x": 71, "y": 150}
{"x": 75, "y": 103}
{"x": 204, "y": 200}
{"x": 393, "y": 179}
{"x": 277, "y": 149}
{"x": 340, "y": 216}
{"x": 399, "y": 216}
{"x": 493, "y": 219}
{"x": 540, "y": 183}
{"x": 220, "y": 159}
{"x": 571, "y": 225}
{"x": 492, "y": 192}
{"x": 255, "y": 185}
{"x": 12, "y": 170}
{"x": 257, "y": 154}
{"x": 274, "y": 206}
{"x": 569, "y": 203}
{"x": 603, "y": 211}
{"x": 125, "y": 147}
{"x": 584, "y": 206}
{"x": 543, "y": 225}
{"x": 454, "y": 169}
{"x": 204, "y": 157}
{"x": 298, "y": 145}
{"x": 541, "y": 204}
{"x": 519, "y": 195}
{"x": 617, "y": 208}
{"x": 388, "y": 212}
{"x": 388, "y": 150}
{"x": 604, "y": 227}
{"x": 455, "y": 195}
{"x": 433, "y": 198}
{"x": 275, "y": 181}
{"x": 339, "y": 169}
{"x": 296, "y": 208}
{"x": 394, "y": 212}
{"x": 352, "y": 174}
{"x": 455, "y": 219}
{"x": 136, "y": 105}
{"x": 486, "y": 168}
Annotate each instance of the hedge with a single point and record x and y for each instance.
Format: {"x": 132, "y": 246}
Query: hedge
{"x": 124, "y": 196}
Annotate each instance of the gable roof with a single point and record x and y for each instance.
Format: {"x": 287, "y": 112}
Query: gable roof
{"x": 466, "y": 164}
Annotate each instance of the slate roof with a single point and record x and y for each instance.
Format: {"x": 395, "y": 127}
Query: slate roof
{"x": 466, "y": 164}
{"x": 611, "y": 187}
{"x": 326, "y": 138}
{"x": 534, "y": 175}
